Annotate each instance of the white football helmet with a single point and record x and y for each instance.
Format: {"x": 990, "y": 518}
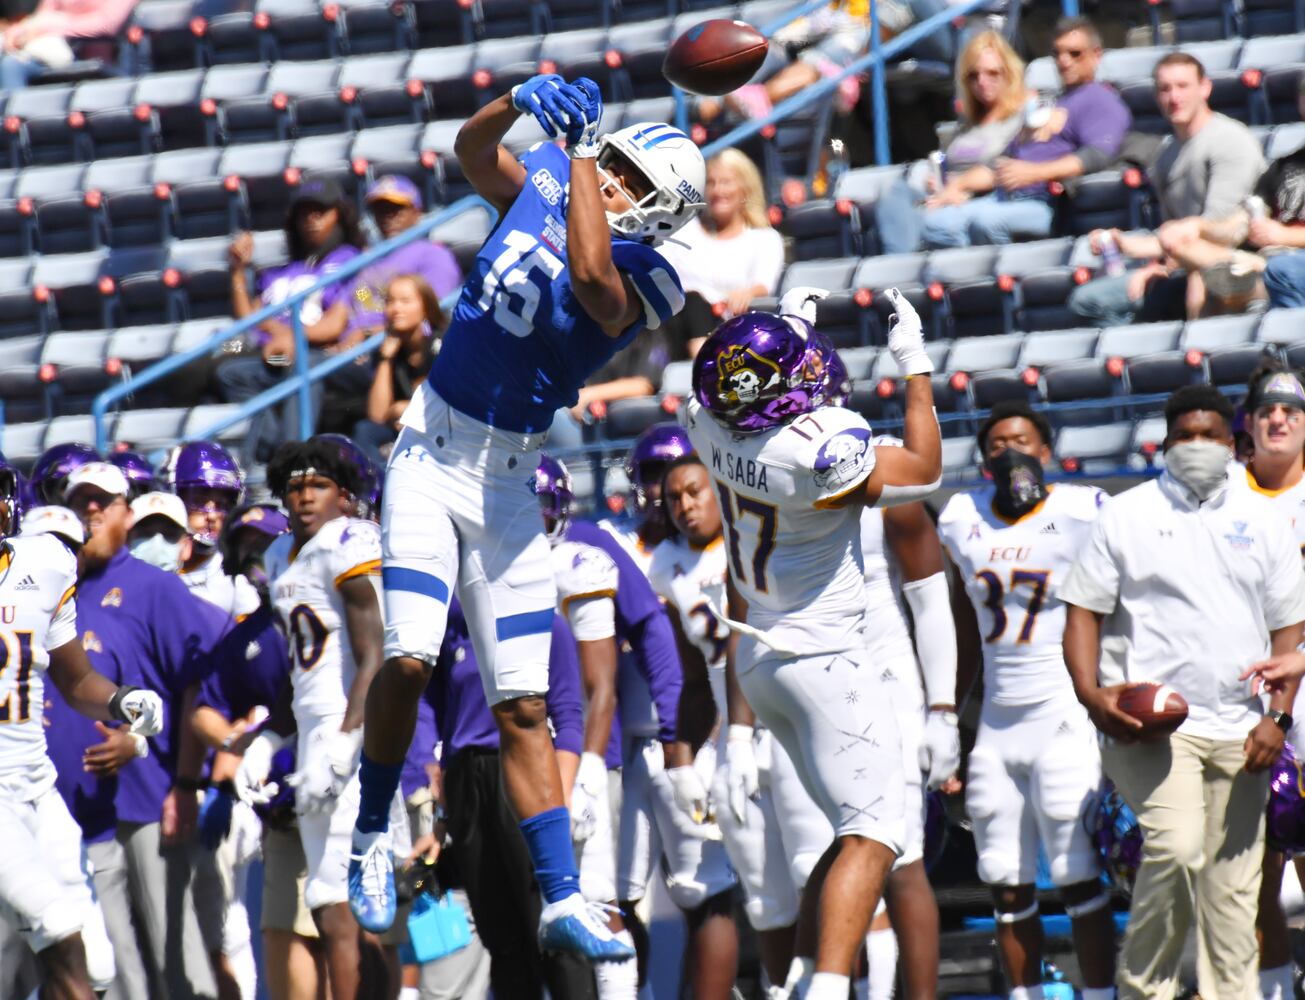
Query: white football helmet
{"x": 676, "y": 175}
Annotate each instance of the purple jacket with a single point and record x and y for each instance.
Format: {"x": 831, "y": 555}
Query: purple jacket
{"x": 249, "y": 666}
{"x": 68, "y": 734}
{"x": 162, "y": 636}
{"x": 641, "y": 623}
{"x": 433, "y": 261}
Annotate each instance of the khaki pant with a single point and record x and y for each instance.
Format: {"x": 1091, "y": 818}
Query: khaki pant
{"x": 1203, "y": 819}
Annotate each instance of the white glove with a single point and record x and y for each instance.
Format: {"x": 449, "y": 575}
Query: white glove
{"x": 906, "y": 336}
{"x": 142, "y": 710}
{"x": 741, "y": 771}
{"x": 940, "y": 747}
{"x": 801, "y": 301}
{"x": 255, "y": 765}
{"x": 331, "y": 763}
{"x": 588, "y": 796}
{"x": 690, "y": 792}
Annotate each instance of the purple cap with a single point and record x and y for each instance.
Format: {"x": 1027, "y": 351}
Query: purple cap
{"x": 317, "y": 191}
{"x": 394, "y": 188}
{"x": 758, "y": 371}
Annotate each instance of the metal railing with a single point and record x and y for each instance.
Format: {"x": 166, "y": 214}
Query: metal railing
{"x": 300, "y": 382}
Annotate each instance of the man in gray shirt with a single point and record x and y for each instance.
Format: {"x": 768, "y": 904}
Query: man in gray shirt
{"x": 1207, "y": 167}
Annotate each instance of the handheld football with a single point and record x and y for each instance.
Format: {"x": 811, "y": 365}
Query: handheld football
{"x": 1158, "y": 707}
{"x": 715, "y": 57}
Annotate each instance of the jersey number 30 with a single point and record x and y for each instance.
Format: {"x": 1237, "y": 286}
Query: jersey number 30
{"x": 509, "y": 280}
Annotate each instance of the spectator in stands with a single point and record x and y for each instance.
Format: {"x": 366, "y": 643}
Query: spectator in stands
{"x": 1205, "y": 170}
{"x": 322, "y": 234}
{"x": 41, "y": 40}
{"x": 1186, "y": 580}
{"x": 1271, "y": 228}
{"x": 990, "y": 80}
{"x": 1081, "y": 133}
{"x": 413, "y": 325}
{"x": 726, "y": 257}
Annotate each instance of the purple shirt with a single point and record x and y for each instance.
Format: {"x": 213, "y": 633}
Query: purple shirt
{"x": 641, "y": 624}
{"x": 421, "y": 751}
{"x": 68, "y": 734}
{"x": 463, "y": 717}
{"x": 1096, "y": 116}
{"x": 162, "y": 635}
{"x": 433, "y": 261}
{"x": 276, "y": 284}
{"x": 248, "y": 667}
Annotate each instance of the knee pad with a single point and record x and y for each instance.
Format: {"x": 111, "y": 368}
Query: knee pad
{"x": 688, "y": 896}
{"x": 768, "y": 913}
{"x": 1079, "y": 864}
{"x": 997, "y": 868}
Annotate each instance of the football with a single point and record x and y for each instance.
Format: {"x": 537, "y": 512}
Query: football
{"x": 1158, "y": 707}
{"x": 714, "y": 57}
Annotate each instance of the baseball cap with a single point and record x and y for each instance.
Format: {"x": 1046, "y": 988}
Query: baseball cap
{"x": 394, "y": 188}
{"x": 1280, "y": 387}
{"x": 159, "y": 504}
{"x": 54, "y": 521}
{"x": 261, "y": 517}
{"x": 101, "y": 475}
{"x": 318, "y": 191}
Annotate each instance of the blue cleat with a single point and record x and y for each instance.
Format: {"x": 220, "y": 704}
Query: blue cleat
{"x": 372, "y": 898}
{"x": 575, "y": 926}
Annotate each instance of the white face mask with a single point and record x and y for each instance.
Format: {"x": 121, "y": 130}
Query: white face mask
{"x": 1201, "y": 466}
{"x": 158, "y": 551}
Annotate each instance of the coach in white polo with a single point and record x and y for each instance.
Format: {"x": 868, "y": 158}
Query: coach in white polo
{"x": 1187, "y": 582}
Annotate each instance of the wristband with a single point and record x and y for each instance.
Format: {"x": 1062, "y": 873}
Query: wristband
{"x": 191, "y": 784}
{"x": 115, "y": 703}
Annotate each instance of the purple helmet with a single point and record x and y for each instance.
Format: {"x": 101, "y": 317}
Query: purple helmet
{"x": 759, "y": 371}
{"x": 1117, "y": 835}
{"x": 1285, "y": 830}
{"x": 836, "y": 383}
{"x": 648, "y": 458}
{"x": 553, "y": 489}
{"x": 12, "y": 499}
{"x": 137, "y": 469}
{"x": 51, "y": 471}
{"x": 203, "y": 466}
{"x": 368, "y": 474}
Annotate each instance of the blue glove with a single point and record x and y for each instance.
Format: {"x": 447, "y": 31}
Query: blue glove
{"x": 582, "y": 136}
{"x": 215, "y": 818}
{"x": 554, "y": 103}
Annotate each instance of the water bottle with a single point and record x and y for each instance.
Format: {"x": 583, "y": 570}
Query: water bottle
{"x": 1110, "y": 256}
{"x": 937, "y": 168}
{"x": 836, "y": 166}
{"x": 1036, "y": 114}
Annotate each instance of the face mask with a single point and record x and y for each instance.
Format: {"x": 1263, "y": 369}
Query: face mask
{"x": 158, "y": 551}
{"x": 1201, "y": 466}
{"x": 1020, "y": 481}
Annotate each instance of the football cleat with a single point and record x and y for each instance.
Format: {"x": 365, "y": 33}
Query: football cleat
{"x": 372, "y": 898}
{"x": 576, "y": 926}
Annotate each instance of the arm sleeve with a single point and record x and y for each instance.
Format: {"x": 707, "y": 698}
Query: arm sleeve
{"x": 63, "y": 625}
{"x": 658, "y": 660}
{"x": 655, "y": 281}
{"x": 1093, "y": 581}
{"x": 1284, "y": 592}
{"x": 563, "y": 697}
{"x": 592, "y": 618}
{"x": 1235, "y": 165}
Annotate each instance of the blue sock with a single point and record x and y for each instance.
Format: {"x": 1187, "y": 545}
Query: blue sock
{"x": 377, "y": 784}
{"x": 548, "y": 838}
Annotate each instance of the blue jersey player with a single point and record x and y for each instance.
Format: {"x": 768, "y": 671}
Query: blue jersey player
{"x": 567, "y": 278}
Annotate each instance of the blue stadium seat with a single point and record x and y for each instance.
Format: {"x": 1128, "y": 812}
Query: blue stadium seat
{"x": 508, "y": 18}
{"x": 1138, "y": 339}
{"x": 464, "y": 235}
{"x": 642, "y": 48}
{"x": 588, "y": 53}
{"x": 1276, "y": 62}
{"x": 382, "y": 76}
{"x": 147, "y": 429}
{"x": 1040, "y": 74}
{"x": 174, "y": 100}
{"x": 24, "y": 393}
{"x": 377, "y": 25}
{"x": 238, "y": 37}
{"x": 501, "y": 63}
{"x": 444, "y": 23}
{"x": 1272, "y": 17}
{"x": 201, "y": 419}
{"x": 1228, "y": 346}
{"x": 328, "y": 156}
{"x": 302, "y": 30}
{"x": 1125, "y": 64}
{"x": 991, "y": 387}
{"x": 446, "y": 75}
{"x": 905, "y": 271}
{"x": 72, "y": 224}
{"x": 972, "y": 355}
{"x": 272, "y": 114}
{"x": 17, "y": 228}
{"x": 42, "y": 130}
{"x": 1285, "y": 139}
{"x": 1094, "y": 449}
{"x": 21, "y": 442}
{"x": 568, "y": 15}
{"x": 818, "y": 228}
{"x": 200, "y": 207}
{"x": 133, "y": 212}
{"x": 194, "y": 332}
{"x": 1053, "y": 346}
{"x": 137, "y": 347}
{"x": 973, "y": 302}
{"x": 859, "y": 361}
{"x": 1108, "y": 199}
{"x": 78, "y": 360}
{"x": 959, "y": 455}
{"x": 1147, "y": 439}
{"x": 202, "y": 283}
{"x": 68, "y": 429}
{"x": 1164, "y": 372}
{"x": 163, "y": 39}
{"x": 1073, "y": 381}
{"x": 263, "y": 182}
{"x": 394, "y": 150}
{"x": 23, "y": 309}
{"x": 842, "y": 318}
{"x": 677, "y": 379}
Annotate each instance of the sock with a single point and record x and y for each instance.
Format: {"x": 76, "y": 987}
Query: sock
{"x": 1276, "y": 983}
{"x": 881, "y": 950}
{"x": 409, "y": 993}
{"x": 1026, "y": 993}
{"x": 828, "y": 986}
{"x": 377, "y": 785}
{"x": 548, "y": 838}
{"x": 618, "y": 980}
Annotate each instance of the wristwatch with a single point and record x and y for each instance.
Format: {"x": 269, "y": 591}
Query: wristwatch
{"x": 1282, "y": 720}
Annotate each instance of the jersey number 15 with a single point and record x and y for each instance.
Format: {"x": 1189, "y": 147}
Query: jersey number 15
{"x": 523, "y": 256}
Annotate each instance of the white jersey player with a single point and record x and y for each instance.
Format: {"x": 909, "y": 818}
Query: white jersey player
{"x": 46, "y": 892}
{"x": 772, "y": 830}
{"x": 792, "y": 474}
{"x": 1035, "y": 768}
{"x": 324, "y": 581}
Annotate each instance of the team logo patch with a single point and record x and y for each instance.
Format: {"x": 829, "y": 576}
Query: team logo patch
{"x": 547, "y": 185}
{"x": 91, "y": 642}
{"x": 1024, "y": 487}
{"x": 253, "y": 649}
{"x": 744, "y": 375}
{"x": 842, "y": 459}
{"x": 1238, "y": 538}
{"x": 113, "y": 599}
{"x": 252, "y": 515}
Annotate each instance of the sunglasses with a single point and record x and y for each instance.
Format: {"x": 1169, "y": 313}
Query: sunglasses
{"x": 1069, "y": 53}
{"x": 974, "y": 74}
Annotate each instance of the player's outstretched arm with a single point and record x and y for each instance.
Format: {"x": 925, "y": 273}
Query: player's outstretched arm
{"x": 494, "y": 172}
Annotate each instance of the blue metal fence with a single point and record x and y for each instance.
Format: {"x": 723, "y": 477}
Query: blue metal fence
{"x": 301, "y": 381}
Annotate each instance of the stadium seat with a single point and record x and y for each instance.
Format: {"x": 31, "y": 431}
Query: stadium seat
{"x": 1042, "y": 297}
{"x": 1138, "y": 339}
{"x": 78, "y": 361}
{"x": 1095, "y": 450}
{"x": 163, "y": 36}
{"x": 377, "y": 25}
{"x": 503, "y": 62}
{"x": 443, "y": 23}
{"x": 323, "y": 114}
{"x": 137, "y": 347}
{"x": 984, "y": 354}
{"x": 202, "y": 282}
{"x": 1272, "y": 17}
{"x": 1077, "y": 381}
{"x": 243, "y": 82}
{"x": 200, "y": 421}
{"x": 301, "y": 30}
{"x": 859, "y": 361}
{"x": 194, "y": 332}
{"x": 68, "y": 429}
{"x": 1228, "y": 345}
{"x": 326, "y": 156}
{"x": 464, "y": 235}
{"x": 1125, "y": 64}
{"x": 959, "y": 455}
{"x": 1107, "y": 199}
{"x": 628, "y": 418}
{"x": 842, "y": 318}
{"x": 987, "y": 388}
{"x": 1147, "y": 440}
{"x": 271, "y": 114}
{"x": 1164, "y": 372}
{"x": 17, "y": 229}
{"x": 1053, "y": 346}
{"x": 446, "y": 74}
{"x": 818, "y": 228}
{"x": 905, "y": 271}
{"x": 70, "y": 225}
{"x": 587, "y": 53}
{"x": 864, "y": 187}
{"x": 648, "y": 109}
{"x": 73, "y": 281}
{"x": 643, "y": 47}
{"x": 200, "y": 206}
{"x": 1273, "y": 61}
{"x": 1040, "y": 75}
{"x": 147, "y": 429}
{"x": 237, "y": 37}
{"x": 22, "y": 443}
{"x": 1286, "y": 139}
{"x": 973, "y": 301}
{"x": 20, "y": 374}
{"x": 394, "y": 150}
{"x": 23, "y": 308}
{"x": 568, "y": 15}
{"x": 1197, "y": 21}
{"x": 264, "y": 184}
{"x": 1281, "y": 327}
{"x": 41, "y": 128}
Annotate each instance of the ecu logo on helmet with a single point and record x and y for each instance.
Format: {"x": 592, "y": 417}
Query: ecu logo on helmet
{"x": 744, "y": 375}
